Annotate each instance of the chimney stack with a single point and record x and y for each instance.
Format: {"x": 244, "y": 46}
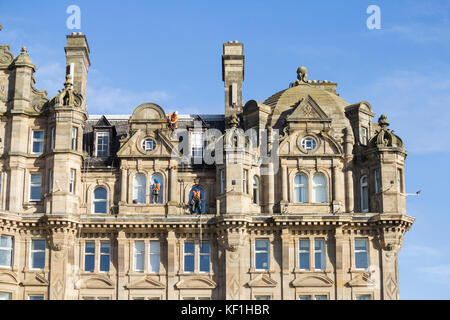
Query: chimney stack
{"x": 233, "y": 60}
{"x": 77, "y": 61}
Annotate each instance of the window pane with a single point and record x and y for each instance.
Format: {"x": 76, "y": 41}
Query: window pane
{"x": 139, "y": 188}
{"x": 301, "y": 188}
{"x": 5, "y": 296}
{"x": 204, "y": 263}
{"x": 139, "y": 253}
{"x": 35, "y": 187}
{"x": 89, "y": 256}
{"x": 90, "y": 247}
{"x": 361, "y": 244}
{"x": 204, "y": 248}
{"x": 321, "y": 298}
{"x": 189, "y": 263}
{"x": 38, "y": 245}
{"x": 104, "y": 256}
{"x": 305, "y": 297}
{"x": 262, "y": 298}
{"x": 364, "y": 297}
{"x": 319, "y": 255}
{"x": 319, "y": 188}
{"x": 261, "y": 261}
{"x": 154, "y": 262}
{"x": 361, "y": 253}
{"x": 38, "y": 260}
{"x": 261, "y": 244}
{"x": 100, "y": 194}
{"x": 6, "y": 250}
{"x": 189, "y": 247}
{"x": 100, "y": 207}
{"x": 36, "y": 297}
{"x": 304, "y": 254}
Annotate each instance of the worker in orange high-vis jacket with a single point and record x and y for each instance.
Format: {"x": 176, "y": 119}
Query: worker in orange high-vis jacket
{"x": 196, "y": 201}
{"x": 173, "y": 120}
{"x": 156, "y": 189}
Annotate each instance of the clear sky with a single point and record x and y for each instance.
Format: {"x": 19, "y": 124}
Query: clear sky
{"x": 170, "y": 53}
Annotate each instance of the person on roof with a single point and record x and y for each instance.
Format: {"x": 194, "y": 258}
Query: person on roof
{"x": 196, "y": 201}
{"x": 173, "y": 120}
{"x": 156, "y": 188}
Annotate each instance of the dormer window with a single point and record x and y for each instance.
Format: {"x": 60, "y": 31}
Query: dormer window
{"x": 363, "y": 136}
{"x": 197, "y": 139}
{"x": 102, "y": 144}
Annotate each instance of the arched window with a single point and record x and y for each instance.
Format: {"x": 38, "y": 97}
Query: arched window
{"x": 300, "y": 188}
{"x": 255, "y": 190}
{"x": 158, "y": 178}
{"x": 100, "y": 204}
{"x": 202, "y": 197}
{"x": 139, "y": 187}
{"x": 364, "y": 194}
{"x": 319, "y": 188}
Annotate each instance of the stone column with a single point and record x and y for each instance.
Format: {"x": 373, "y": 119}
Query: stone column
{"x": 173, "y": 184}
{"x": 340, "y": 257}
{"x": 270, "y": 201}
{"x": 122, "y": 265}
{"x": 338, "y": 189}
{"x": 171, "y": 258}
{"x": 284, "y": 183}
{"x": 285, "y": 264}
{"x": 349, "y": 189}
{"x": 123, "y": 185}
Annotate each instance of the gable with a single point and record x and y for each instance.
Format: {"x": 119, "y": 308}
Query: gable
{"x": 133, "y": 147}
{"x": 262, "y": 280}
{"x": 37, "y": 280}
{"x": 196, "y": 283}
{"x": 312, "y": 281}
{"x": 146, "y": 283}
{"x": 362, "y": 280}
{"x": 97, "y": 283}
{"x": 308, "y": 109}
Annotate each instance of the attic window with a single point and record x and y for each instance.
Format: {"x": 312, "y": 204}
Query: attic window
{"x": 309, "y": 143}
{"x": 149, "y": 144}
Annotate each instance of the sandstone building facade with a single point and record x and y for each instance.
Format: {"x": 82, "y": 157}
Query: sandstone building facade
{"x": 314, "y": 212}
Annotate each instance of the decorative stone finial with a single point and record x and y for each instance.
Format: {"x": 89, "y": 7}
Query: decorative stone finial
{"x": 234, "y": 121}
{"x": 382, "y": 121}
{"x": 302, "y": 75}
{"x": 24, "y": 50}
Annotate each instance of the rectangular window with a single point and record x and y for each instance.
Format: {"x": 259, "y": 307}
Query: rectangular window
{"x": 262, "y": 297}
{"x": 105, "y": 253}
{"x": 377, "y": 178}
{"x": 222, "y": 181}
{"x": 52, "y": 139}
{"x": 35, "y": 187}
{"x": 245, "y": 182}
{"x": 38, "y": 254}
{"x": 5, "y": 296}
{"x": 139, "y": 256}
{"x": 262, "y": 254}
{"x": 321, "y": 297}
{"x": 74, "y": 138}
{"x": 72, "y": 181}
{"x": 50, "y": 181}
{"x": 204, "y": 256}
{"x": 197, "y": 139}
{"x": 154, "y": 256}
{"x": 189, "y": 256}
{"x": 6, "y": 251}
{"x": 38, "y": 141}
{"x": 319, "y": 254}
{"x": 364, "y": 297}
{"x": 89, "y": 256}
{"x": 305, "y": 298}
{"x": 363, "y": 136}
{"x": 36, "y": 297}
{"x": 362, "y": 253}
{"x": 102, "y": 144}
{"x": 303, "y": 252}
{"x": 400, "y": 180}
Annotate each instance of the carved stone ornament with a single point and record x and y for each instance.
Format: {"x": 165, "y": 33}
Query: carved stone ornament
{"x": 6, "y": 57}
{"x": 302, "y": 75}
{"x": 385, "y": 137}
{"x": 67, "y": 96}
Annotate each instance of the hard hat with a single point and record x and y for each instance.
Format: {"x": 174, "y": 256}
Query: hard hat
{"x": 176, "y": 112}
{"x": 156, "y": 181}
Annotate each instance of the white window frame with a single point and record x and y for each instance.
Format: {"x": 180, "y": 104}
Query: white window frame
{"x": 364, "y": 193}
{"x": 300, "y": 251}
{"x": 364, "y": 136}
{"x": 41, "y": 141}
{"x": 89, "y": 254}
{"x": 37, "y": 251}
{"x": 319, "y": 187}
{"x": 200, "y": 254}
{"x": 36, "y": 295}
{"x": 255, "y": 189}
{"x": 262, "y": 251}
{"x": 9, "y": 251}
{"x": 322, "y": 254}
{"x": 146, "y": 147}
{"x": 94, "y": 200}
{"x": 197, "y": 144}
{"x": 72, "y": 180}
{"x": 137, "y": 187}
{"x": 309, "y": 143}
{"x": 74, "y": 140}
{"x": 154, "y": 253}
{"x": 104, "y": 145}
{"x": 8, "y": 294}
{"x": 104, "y": 254}
{"x": 136, "y": 254}
{"x": 35, "y": 186}
{"x": 359, "y": 251}
{"x": 188, "y": 254}
{"x": 300, "y": 186}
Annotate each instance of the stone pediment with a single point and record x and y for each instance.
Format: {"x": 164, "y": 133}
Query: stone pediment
{"x": 146, "y": 283}
{"x": 149, "y": 112}
{"x": 196, "y": 283}
{"x": 97, "y": 282}
{"x": 307, "y": 109}
{"x": 102, "y": 122}
{"x": 37, "y": 280}
{"x": 316, "y": 280}
{"x": 362, "y": 280}
{"x": 133, "y": 146}
{"x": 8, "y": 277}
{"x": 262, "y": 280}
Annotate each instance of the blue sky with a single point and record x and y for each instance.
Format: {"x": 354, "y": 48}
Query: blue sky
{"x": 170, "y": 53}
